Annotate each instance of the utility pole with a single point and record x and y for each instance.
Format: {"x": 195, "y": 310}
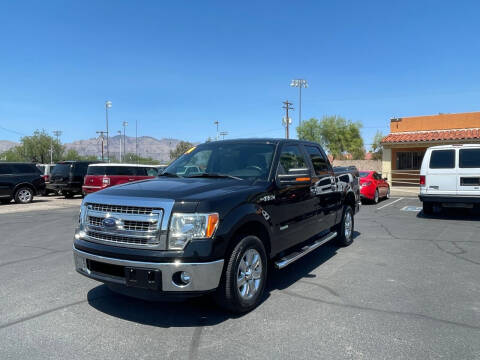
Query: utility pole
{"x": 57, "y": 133}
{"x": 216, "y": 123}
{"x": 125, "y": 124}
{"x": 108, "y": 105}
{"x": 101, "y": 137}
{"x": 287, "y": 107}
{"x": 223, "y": 134}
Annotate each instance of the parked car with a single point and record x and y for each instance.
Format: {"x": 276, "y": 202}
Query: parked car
{"x": 373, "y": 186}
{"x": 253, "y": 203}
{"x": 46, "y": 170}
{"x": 101, "y": 176}
{"x": 67, "y": 177}
{"x": 20, "y": 181}
{"x": 450, "y": 177}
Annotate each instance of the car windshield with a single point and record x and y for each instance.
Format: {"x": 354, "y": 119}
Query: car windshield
{"x": 62, "y": 169}
{"x": 364, "y": 173}
{"x": 246, "y": 161}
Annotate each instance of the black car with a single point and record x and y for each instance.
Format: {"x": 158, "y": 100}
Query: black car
{"x": 215, "y": 220}
{"x": 20, "y": 181}
{"x": 67, "y": 177}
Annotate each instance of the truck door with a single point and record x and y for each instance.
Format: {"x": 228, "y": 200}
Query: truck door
{"x": 324, "y": 189}
{"x": 468, "y": 173}
{"x": 293, "y": 209}
{"x": 441, "y": 174}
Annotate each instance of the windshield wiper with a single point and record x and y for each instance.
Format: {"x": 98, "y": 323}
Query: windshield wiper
{"x": 213, "y": 175}
{"x": 168, "y": 174}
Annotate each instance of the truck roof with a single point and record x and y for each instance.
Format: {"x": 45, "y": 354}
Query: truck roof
{"x": 263, "y": 140}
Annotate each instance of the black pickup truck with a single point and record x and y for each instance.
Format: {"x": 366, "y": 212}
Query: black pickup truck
{"x": 215, "y": 220}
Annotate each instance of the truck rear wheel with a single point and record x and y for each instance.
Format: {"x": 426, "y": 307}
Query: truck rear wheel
{"x": 345, "y": 228}
{"x": 243, "y": 281}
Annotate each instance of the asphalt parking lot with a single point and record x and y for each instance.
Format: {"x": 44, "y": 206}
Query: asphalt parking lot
{"x": 407, "y": 288}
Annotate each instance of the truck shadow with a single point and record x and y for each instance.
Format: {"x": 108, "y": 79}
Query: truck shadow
{"x": 200, "y": 311}
{"x": 452, "y": 214}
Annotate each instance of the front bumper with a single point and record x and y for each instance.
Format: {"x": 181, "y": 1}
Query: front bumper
{"x": 204, "y": 276}
{"x": 461, "y": 199}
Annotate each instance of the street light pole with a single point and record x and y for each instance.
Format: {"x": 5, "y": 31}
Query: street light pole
{"x": 108, "y": 104}
{"x": 125, "y": 124}
{"x": 120, "y": 133}
{"x": 216, "y": 123}
{"x": 300, "y": 83}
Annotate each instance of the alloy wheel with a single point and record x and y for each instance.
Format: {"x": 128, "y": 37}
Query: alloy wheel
{"x": 249, "y": 275}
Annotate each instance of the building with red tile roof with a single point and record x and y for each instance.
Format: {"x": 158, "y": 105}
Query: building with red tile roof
{"x": 409, "y": 137}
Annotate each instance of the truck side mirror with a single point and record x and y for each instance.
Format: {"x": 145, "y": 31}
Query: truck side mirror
{"x": 294, "y": 177}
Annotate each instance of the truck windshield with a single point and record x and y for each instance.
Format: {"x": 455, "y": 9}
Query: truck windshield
{"x": 247, "y": 161}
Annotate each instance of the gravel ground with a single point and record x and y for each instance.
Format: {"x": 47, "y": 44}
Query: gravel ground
{"x": 41, "y": 203}
{"x": 407, "y": 288}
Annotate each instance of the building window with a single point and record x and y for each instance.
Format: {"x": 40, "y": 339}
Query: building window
{"x": 409, "y": 160}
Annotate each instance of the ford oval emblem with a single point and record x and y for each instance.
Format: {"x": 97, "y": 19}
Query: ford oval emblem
{"x": 109, "y": 222}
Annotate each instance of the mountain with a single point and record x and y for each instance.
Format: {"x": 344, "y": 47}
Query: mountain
{"x": 5, "y": 145}
{"x": 158, "y": 149}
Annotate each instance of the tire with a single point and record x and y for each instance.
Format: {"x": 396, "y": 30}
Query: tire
{"x": 387, "y": 196}
{"x": 375, "y": 197}
{"x": 243, "y": 298}
{"x": 345, "y": 228}
{"x": 68, "y": 195}
{"x": 427, "y": 208}
{"x": 5, "y": 201}
{"x": 23, "y": 195}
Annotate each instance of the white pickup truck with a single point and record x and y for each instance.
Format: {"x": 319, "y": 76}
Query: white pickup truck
{"x": 450, "y": 177}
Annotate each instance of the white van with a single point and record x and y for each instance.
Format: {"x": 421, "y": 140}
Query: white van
{"x": 450, "y": 177}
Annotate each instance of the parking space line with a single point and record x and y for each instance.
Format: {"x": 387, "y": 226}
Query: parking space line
{"x": 393, "y": 202}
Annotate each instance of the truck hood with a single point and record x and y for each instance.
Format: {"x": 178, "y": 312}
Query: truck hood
{"x": 179, "y": 189}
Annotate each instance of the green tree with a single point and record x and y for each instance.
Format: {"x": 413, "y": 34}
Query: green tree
{"x": 336, "y": 134}
{"x": 182, "y": 146}
{"x": 377, "y": 147}
{"x": 132, "y": 158}
{"x": 35, "y": 148}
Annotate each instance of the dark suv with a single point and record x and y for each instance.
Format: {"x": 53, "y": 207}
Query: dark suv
{"x": 20, "y": 181}
{"x": 67, "y": 177}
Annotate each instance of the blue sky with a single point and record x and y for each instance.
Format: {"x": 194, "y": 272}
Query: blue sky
{"x": 178, "y": 66}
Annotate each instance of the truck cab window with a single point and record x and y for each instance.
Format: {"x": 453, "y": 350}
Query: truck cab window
{"x": 291, "y": 158}
{"x": 318, "y": 160}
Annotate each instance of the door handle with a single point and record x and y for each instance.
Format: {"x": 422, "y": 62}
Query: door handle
{"x": 130, "y": 179}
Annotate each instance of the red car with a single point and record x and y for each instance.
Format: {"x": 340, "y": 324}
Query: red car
{"x": 101, "y": 176}
{"x": 373, "y": 186}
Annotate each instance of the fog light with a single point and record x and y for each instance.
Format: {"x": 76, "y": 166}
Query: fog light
{"x": 185, "y": 277}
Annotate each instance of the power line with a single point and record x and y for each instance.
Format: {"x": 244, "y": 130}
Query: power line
{"x": 12, "y": 131}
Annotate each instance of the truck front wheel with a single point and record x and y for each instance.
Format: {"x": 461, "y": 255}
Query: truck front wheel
{"x": 243, "y": 280}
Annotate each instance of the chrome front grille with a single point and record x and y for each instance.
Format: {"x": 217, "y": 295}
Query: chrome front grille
{"x": 117, "y": 238}
{"x": 119, "y": 209}
{"x": 130, "y": 225}
{"x": 120, "y": 225}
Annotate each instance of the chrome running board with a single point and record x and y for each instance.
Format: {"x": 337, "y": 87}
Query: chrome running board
{"x": 294, "y": 256}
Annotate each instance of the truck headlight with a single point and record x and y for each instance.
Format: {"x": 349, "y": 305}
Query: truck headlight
{"x": 185, "y": 227}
